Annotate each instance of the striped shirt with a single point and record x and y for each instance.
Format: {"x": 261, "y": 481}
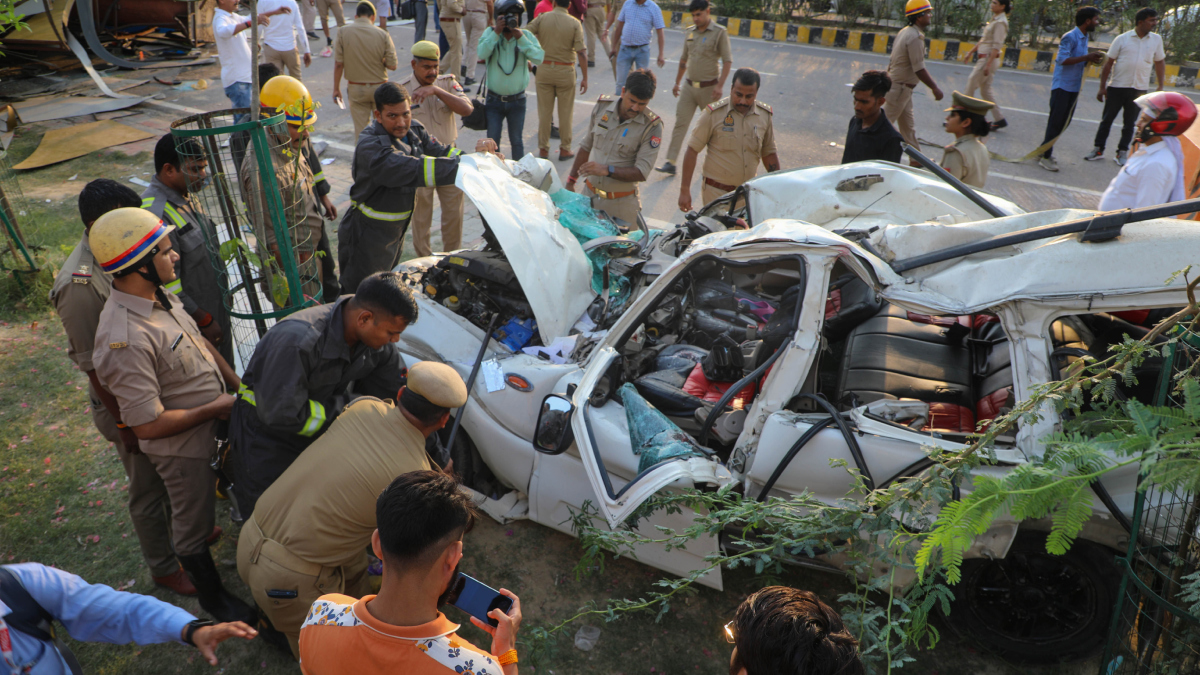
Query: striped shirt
{"x": 641, "y": 20}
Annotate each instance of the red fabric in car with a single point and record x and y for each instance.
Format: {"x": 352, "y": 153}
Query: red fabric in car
{"x": 950, "y": 417}
{"x": 699, "y": 386}
{"x": 1136, "y": 317}
{"x": 964, "y": 321}
{"x": 983, "y": 319}
{"x": 833, "y": 304}
{"x": 991, "y": 405}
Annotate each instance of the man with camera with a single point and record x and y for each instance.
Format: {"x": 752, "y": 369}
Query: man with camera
{"x": 508, "y": 52}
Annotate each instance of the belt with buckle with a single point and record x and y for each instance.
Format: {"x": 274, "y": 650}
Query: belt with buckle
{"x": 608, "y": 195}
{"x": 719, "y": 186}
{"x": 505, "y": 98}
{"x": 910, "y": 86}
{"x": 367, "y": 84}
{"x": 559, "y": 63}
{"x": 706, "y": 83}
{"x": 449, "y": 18}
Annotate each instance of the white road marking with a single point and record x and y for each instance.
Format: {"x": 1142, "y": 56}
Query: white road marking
{"x": 1044, "y": 183}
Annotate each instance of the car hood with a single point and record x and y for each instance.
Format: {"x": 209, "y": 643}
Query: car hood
{"x": 550, "y": 264}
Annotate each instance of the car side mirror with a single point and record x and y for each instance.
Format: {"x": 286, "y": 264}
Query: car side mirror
{"x": 553, "y": 434}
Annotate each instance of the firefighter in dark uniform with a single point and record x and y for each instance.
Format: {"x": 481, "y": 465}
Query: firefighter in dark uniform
{"x": 296, "y": 382}
{"x": 395, "y": 155}
{"x": 198, "y": 282}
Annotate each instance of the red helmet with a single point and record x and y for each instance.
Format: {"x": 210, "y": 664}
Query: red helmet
{"x": 1170, "y": 113}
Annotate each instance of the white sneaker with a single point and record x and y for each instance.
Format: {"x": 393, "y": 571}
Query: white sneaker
{"x": 1122, "y": 155}
{"x": 1095, "y": 154}
{"x": 1048, "y": 163}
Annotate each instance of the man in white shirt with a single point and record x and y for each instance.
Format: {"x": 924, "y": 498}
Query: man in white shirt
{"x": 1154, "y": 173}
{"x": 281, "y": 38}
{"x": 234, "y": 50}
{"x": 1129, "y": 61}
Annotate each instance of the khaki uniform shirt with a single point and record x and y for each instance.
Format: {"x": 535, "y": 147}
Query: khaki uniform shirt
{"x": 451, "y": 9}
{"x": 437, "y": 117}
{"x": 967, "y": 160}
{"x": 994, "y": 35}
{"x": 559, "y": 33}
{"x": 153, "y": 360}
{"x": 79, "y": 293}
{"x": 703, "y": 49}
{"x": 365, "y": 51}
{"x": 610, "y": 141}
{"x": 295, "y": 180}
{"x": 908, "y": 56}
{"x": 736, "y": 142}
{"x": 322, "y": 509}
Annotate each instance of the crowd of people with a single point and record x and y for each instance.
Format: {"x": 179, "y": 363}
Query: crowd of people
{"x": 325, "y": 398}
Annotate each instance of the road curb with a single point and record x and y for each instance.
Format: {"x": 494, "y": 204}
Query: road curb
{"x": 881, "y": 43}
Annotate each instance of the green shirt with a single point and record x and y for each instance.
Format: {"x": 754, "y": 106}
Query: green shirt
{"x": 507, "y": 73}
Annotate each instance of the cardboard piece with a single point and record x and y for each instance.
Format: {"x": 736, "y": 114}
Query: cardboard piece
{"x": 60, "y": 145}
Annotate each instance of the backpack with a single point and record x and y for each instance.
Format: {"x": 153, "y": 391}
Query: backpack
{"x": 30, "y": 618}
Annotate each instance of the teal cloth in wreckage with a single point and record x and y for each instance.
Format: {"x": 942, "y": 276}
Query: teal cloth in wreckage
{"x": 654, "y": 437}
{"x": 581, "y": 220}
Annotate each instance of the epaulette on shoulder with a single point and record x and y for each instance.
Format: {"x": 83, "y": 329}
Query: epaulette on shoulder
{"x": 119, "y": 336}
{"x": 651, "y": 116}
{"x": 719, "y": 104}
{"x": 764, "y": 106}
{"x": 607, "y": 97}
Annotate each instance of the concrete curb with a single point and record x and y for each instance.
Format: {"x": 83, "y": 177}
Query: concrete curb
{"x": 881, "y": 43}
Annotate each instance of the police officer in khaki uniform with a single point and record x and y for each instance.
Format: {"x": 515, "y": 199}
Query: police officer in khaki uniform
{"x": 79, "y": 293}
{"x": 477, "y": 18}
{"x": 906, "y": 67}
{"x": 738, "y": 134}
{"x": 705, "y": 44}
{"x": 451, "y": 19}
{"x": 620, "y": 148}
{"x": 364, "y": 53}
{"x": 561, "y": 36}
{"x": 435, "y": 102}
{"x": 967, "y": 157}
{"x": 593, "y": 24}
{"x": 169, "y": 383}
{"x": 304, "y": 542}
{"x": 323, "y": 9}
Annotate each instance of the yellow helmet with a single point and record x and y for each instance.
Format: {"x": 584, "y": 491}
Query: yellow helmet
{"x": 914, "y": 7}
{"x": 122, "y": 237}
{"x": 288, "y": 95}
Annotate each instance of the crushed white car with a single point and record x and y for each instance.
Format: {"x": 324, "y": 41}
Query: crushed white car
{"x": 780, "y": 347}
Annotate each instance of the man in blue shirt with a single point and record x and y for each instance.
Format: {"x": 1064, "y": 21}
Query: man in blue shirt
{"x": 631, "y": 43}
{"x": 92, "y": 613}
{"x": 1073, "y": 57}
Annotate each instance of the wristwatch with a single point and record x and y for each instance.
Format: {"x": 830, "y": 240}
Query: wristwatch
{"x": 193, "y": 626}
{"x": 611, "y": 170}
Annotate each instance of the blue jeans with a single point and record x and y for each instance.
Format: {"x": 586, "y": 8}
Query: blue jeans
{"x": 628, "y": 58}
{"x": 514, "y": 111}
{"x": 239, "y": 94}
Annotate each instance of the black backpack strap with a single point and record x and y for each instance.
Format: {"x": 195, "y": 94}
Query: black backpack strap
{"x": 30, "y": 618}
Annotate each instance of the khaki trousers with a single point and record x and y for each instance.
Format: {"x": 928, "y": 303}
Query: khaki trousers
{"x": 309, "y": 14}
{"x": 149, "y": 507}
{"x": 690, "y": 99}
{"x": 593, "y": 25}
{"x": 266, "y": 565}
{"x": 709, "y": 193}
{"x": 983, "y": 82}
{"x": 555, "y": 83}
{"x": 625, "y": 208}
{"x": 452, "y": 59}
{"x": 899, "y": 109}
{"x": 192, "y": 489}
{"x": 325, "y": 6}
{"x": 361, "y": 98}
{"x": 452, "y": 218}
{"x": 474, "y": 23}
{"x": 289, "y": 59}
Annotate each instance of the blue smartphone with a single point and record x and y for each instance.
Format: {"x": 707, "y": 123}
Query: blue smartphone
{"x": 477, "y": 598}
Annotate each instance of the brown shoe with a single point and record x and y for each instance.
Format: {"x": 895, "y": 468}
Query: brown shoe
{"x": 177, "y": 582}
{"x": 564, "y": 155}
{"x": 215, "y": 535}
{"x": 544, "y": 153}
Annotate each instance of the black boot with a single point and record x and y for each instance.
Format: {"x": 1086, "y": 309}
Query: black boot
{"x": 214, "y": 599}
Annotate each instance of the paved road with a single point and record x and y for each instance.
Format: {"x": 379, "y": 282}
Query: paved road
{"x": 808, "y": 87}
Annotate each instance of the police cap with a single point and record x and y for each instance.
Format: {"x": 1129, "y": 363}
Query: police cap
{"x": 977, "y": 106}
{"x": 437, "y": 383}
{"x": 426, "y": 50}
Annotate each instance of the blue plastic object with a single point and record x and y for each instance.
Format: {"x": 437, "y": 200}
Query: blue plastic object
{"x": 585, "y": 224}
{"x": 516, "y": 333}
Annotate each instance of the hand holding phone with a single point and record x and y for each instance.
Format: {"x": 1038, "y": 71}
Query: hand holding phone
{"x": 476, "y": 598}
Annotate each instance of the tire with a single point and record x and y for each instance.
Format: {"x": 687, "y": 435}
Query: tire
{"x": 1036, "y": 608}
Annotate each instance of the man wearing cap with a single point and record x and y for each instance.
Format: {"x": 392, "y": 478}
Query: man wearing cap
{"x": 450, "y": 18}
{"x": 363, "y": 53}
{"x": 436, "y": 99}
{"x": 906, "y": 67}
{"x": 738, "y": 134}
{"x": 170, "y": 385}
{"x": 707, "y": 42}
{"x": 967, "y": 157}
{"x": 561, "y": 36}
{"x": 304, "y": 542}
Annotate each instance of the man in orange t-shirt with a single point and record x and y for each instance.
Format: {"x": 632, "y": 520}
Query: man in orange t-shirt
{"x": 422, "y": 517}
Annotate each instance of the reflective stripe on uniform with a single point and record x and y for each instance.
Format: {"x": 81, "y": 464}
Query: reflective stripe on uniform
{"x": 174, "y": 215}
{"x": 175, "y": 287}
{"x": 316, "y": 419}
{"x": 430, "y": 180}
{"x": 246, "y": 394}
{"x": 380, "y": 215}
{"x": 454, "y": 152}
{"x": 317, "y": 178}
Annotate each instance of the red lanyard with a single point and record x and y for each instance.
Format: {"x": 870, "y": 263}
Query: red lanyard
{"x": 7, "y": 651}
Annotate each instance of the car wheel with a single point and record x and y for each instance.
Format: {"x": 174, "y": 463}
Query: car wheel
{"x": 1033, "y": 607}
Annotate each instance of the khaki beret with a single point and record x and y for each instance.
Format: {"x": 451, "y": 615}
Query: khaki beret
{"x": 961, "y": 101}
{"x": 438, "y": 383}
{"x": 427, "y": 50}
